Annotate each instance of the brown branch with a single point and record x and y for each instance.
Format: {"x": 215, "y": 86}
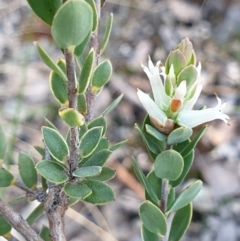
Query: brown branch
{"x": 94, "y": 43}
{"x": 16, "y": 220}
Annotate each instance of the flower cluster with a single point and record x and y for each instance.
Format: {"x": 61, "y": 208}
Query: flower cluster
{"x": 176, "y": 88}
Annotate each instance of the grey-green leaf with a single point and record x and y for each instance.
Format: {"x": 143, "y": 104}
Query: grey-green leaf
{"x": 77, "y": 190}
{"x": 5, "y": 227}
{"x": 179, "y": 135}
{"x": 113, "y": 105}
{"x": 154, "y": 132}
{"x": 99, "y": 121}
{"x": 105, "y": 175}
{"x": 35, "y": 214}
{"x": 81, "y": 47}
{"x": 95, "y": 14}
{"x": 90, "y": 141}
{"x": 153, "y": 219}
{"x": 147, "y": 235}
{"x": 187, "y": 195}
{"x": 118, "y": 145}
{"x": 45, "y": 233}
{"x": 55, "y": 143}
{"x": 72, "y": 23}
{"x": 52, "y": 171}
{"x": 101, "y": 193}
{"x": 6, "y": 178}
{"x": 82, "y": 104}
{"x": 168, "y": 165}
{"x": 3, "y": 145}
{"x": 87, "y": 171}
{"x": 180, "y": 223}
{"x": 27, "y": 171}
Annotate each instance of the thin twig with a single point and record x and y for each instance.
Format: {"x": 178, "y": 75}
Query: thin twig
{"x": 94, "y": 43}
{"x": 16, "y": 220}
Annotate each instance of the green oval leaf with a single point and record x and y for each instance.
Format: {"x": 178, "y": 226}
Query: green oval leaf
{"x": 71, "y": 117}
{"x": 156, "y": 184}
{"x": 101, "y": 75}
{"x": 3, "y": 145}
{"x": 45, "y": 9}
{"x": 103, "y": 144}
{"x": 147, "y": 235}
{"x": 50, "y": 124}
{"x": 189, "y": 74}
{"x": 86, "y": 73}
{"x": 152, "y": 218}
{"x": 5, "y": 227}
{"x": 95, "y": 15}
{"x": 98, "y": 159}
{"x": 187, "y": 195}
{"x": 99, "y": 121}
{"x": 6, "y": 178}
{"x": 35, "y": 214}
{"x": 105, "y": 175}
{"x": 77, "y": 190}
{"x": 27, "y": 171}
{"x": 179, "y": 135}
{"x": 180, "y": 223}
{"x": 58, "y": 85}
{"x": 49, "y": 62}
{"x": 72, "y": 23}
{"x": 87, "y": 171}
{"x": 45, "y": 233}
{"x": 55, "y": 143}
{"x": 52, "y": 171}
{"x": 101, "y": 193}
{"x": 81, "y": 47}
{"x": 155, "y": 133}
{"x": 90, "y": 141}
{"x": 113, "y": 105}
{"x": 82, "y": 104}
{"x": 168, "y": 165}
{"x": 107, "y": 33}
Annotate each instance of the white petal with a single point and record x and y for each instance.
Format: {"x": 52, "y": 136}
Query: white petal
{"x": 192, "y": 118}
{"x": 180, "y": 91}
{"x": 151, "y": 107}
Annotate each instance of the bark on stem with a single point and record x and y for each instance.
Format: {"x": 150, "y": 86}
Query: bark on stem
{"x": 16, "y": 220}
{"x": 94, "y": 43}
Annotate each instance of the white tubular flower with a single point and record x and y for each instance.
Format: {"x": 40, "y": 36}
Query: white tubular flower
{"x": 193, "y": 118}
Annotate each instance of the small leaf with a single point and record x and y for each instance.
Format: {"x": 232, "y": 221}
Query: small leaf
{"x": 105, "y": 175}
{"x": 40, "y": 150}
{"x": 81, "y": 47}
{"x": 49, "y": 62}
{"x": 6, "y": 178}
{"x": 152, "y": 218}
{"x": 101, "y": 193}
{"x": 45, "y": 233}
{"x": 35, "y": 214}
{"x": 71, "y": 117}
{"x": 45, "y": 9}
{"x": 168, "y": 165}
{"x": 77, "y": 190}
{"x": 95, "y": 15}
{"x": 27, "y": 171}
{"x": 58, "y": 85}
{"x": 55, "y": 143}
{"x": 83, "y": 130}
{"x": 98, "y": 159}
{"x": 180, "y": 223}
{"x": 5, "y": 227}
{"x": 147, "y": 235}
{"x": 154, "y": 132}
{"x": 118, "y": 145}
{"x": 99, "y": 121}
{"x": 106, "y": 34}
{"x": 86, "y": 73}
{"x": 87, "y": 171}
{"x": 188, "y": 160}
{"x": 73, "y": 200}
{"x": 103, "y": 144}
{"x": 72, "y": 23}
{"x": 179, "y": 135}
{"x": 144, "y": 182}
{"x": 188, "y": 148}
{"x": 82, "y": 104}
{"x": 3, "y": 145}
{"x": 50, "y": 124}
{"x": 156, "y": 184}
{"x": 189, "y": 74}
{"x": 101, "y": 75}
{"x": 52, "y": 171}
{"x": 113, "y": 105}
{"x": 187, "y": 195}
{"x": 90, "y": 141}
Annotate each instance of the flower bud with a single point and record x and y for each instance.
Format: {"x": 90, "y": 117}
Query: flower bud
{"x": 186, "y": 47}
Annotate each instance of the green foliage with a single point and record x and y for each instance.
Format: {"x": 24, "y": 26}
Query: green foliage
{"x": 77, "y": 190}
{"x": 81, "y": 47}
{"x": 45, "y": 233}
{"x": 55, "y": 143}
{"x": 27, "y": 171}
{"x": 71, "y": 117}
{"x": 87, "y": 171}
{"x": 72, "y": 23}
{"x": 90, "y": 141}
{"x": 35, "y": 214}
{"x": 179, "y": 135}
{"x": 117, "y": 145}
{"x": 99, "y": 121}
{"x": 105, "y": 175}
{"x": 147, "y": 235}
{"x": 82, "y": 104}
{"x": 3, "y": 145}
{"x": 155, "y": 133}
{"x": 153, "y": 219}
{"x": 168, "y": 165}
{"x": 113, "y": 105}
{"x": 52, "y": 171}
{"x": 45, "y": 9}
{"x": 101, "y": 193}
{"x": 6, "y": 178}
{"x": 95, "y": 16}
{"x": 5, "y": 227}
{"x": 180, "y": 222}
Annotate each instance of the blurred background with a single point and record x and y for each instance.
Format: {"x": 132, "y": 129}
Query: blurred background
{"x": 140, "y": 28}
